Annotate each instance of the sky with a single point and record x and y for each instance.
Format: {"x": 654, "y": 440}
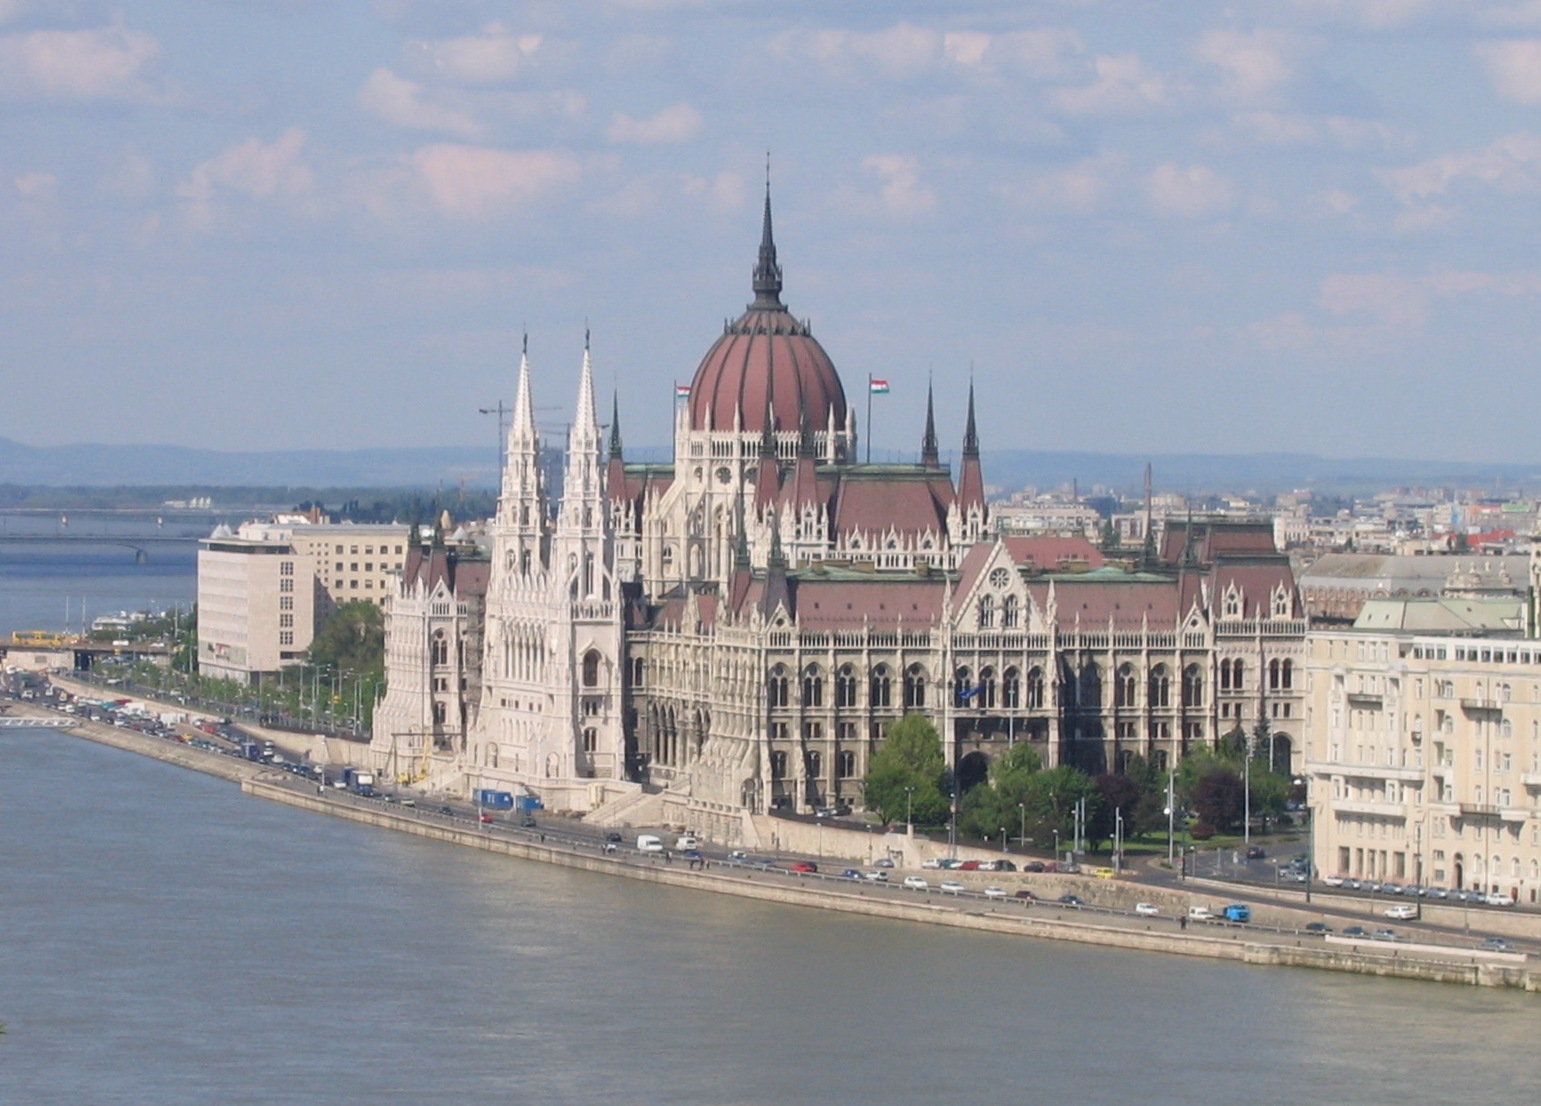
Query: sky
{"x": 1194, "y": 227}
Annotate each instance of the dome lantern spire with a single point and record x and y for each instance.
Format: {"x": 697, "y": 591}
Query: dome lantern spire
{"x": 767, "y": 274}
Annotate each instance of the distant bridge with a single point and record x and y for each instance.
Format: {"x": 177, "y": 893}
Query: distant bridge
{"x": 138, "y": 545}
{"x": 13, "y": 722}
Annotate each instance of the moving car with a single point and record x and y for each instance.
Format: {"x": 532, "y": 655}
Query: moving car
{"x": 1385, "y": 935}
{"x": 1318, "y": 927}
{"x": 1402, "y": 912}
{"x": 851, "y": 873}
{"x": 952, "y": 887}
{"x": 876, "y": 877}
{"x": 995, "y": 892}
{"x": 1356, "y": 931}
{"x": 916, "y": 883}
{"x": 1495, "y": 944}
{"x": 803, "y": 867}
{"x": 1070, "y": 900}
{"x": 1146, "y": 909}
{"x": 1026, "y": 896}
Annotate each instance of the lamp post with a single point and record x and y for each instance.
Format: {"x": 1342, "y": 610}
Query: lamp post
{"x": 1305, "y": 782}
{"x": 909, "y": 824}
{"x": 1171, "y": 814}
{"x": 1056, "y": 846}
{"x": 1022, "y": 833}
{"x": 1003, "y": 839}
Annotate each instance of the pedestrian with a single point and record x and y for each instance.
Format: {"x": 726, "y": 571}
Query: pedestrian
{"x": 1182, "y": 921}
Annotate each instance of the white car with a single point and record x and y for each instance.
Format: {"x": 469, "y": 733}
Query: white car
{"x": 933, "y": 863}
{"x": 1146, "y": 909}
{"x": 995, "y": 892}
{"x": 916, "y": 883}
{"x": 952, "y": 887}
{"x": 1498, "y": 900}
{"x": 1402, "y": 912}
{"x": 878, "y": 876}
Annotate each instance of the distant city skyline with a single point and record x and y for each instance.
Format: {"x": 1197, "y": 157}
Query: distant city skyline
{"x": 1303, "y": 226}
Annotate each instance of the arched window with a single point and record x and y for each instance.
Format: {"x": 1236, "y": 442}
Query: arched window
{"x": 914, "y": 687}
{"x": 1286, "y": 674}
{"x": 1011, "y": 612}
{"x": 815, "y": 765}
{"x": 440, "y": 648}
{"x": 845, "y": 764}
{"x": 1035, "y": 689}
{"x": 813, "y": 687}
{"x": 1011, "y": 689}
{"x": 845, "y": 687}
{"x": 1091, "y": 686}
{"x": 880, "y": 686}
{"x": 963, "y": 688}
{"x": 591, "y": 669}
{"x": 985, "y": 699}
{"x": 1160, "y": 687}
{"x": 986, "y": 612}
{"x": 1193, "y": 686}
{"x": 1123, "y": 686}
{"x": 778, "y": 764}
{"x": 776, "y": 687}
{"x": 1238, "y": 682}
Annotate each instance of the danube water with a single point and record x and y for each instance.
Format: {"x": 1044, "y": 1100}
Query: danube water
{"x": 166, "y": 940}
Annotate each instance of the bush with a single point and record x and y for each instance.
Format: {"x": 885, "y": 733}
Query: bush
{"x": 1202, "y": 832}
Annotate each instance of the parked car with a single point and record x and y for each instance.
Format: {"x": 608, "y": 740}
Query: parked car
{"x": 1255, "y": 852}
{"x": 1438, "y": 893}
{"x": 882, "y": 862}
{"x": 1334, "y": 881}
{"x": 1033, "y": 866}
{"x": 952, "y": 887}
{"x": 916, "y": 883}
{"x": 1498, "y": 900}
{"x": 1402, "y": 912}
{"x": 932, "y": 864}
{"x": 613, "y": 837}
{"x": 1391, "y": 888}
{"x": 969, "y": 866}
{"x": 1146, "y": 909}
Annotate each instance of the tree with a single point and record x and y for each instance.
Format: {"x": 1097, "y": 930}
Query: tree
{"x": 909, "y": 774}
{"x": 1120, "y": 795}
{"x": 1051, "y": 799}
{"x": 1218, "y": 798}
{"x": 353, "y": 638}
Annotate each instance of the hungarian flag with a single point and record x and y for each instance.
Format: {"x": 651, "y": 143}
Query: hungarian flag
{"x": 682, "y": 391}
{"x": 876, "y": 386}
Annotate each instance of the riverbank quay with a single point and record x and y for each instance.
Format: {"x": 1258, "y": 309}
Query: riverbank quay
{"x": 1041, "y": 920}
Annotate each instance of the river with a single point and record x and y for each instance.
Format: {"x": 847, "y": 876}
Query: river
{"x": 168, "y": 940}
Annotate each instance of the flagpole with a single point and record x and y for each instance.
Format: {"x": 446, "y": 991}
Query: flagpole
{"x": 869, "y": 418}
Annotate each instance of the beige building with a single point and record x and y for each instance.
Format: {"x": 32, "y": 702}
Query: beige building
{"x": 264, "y": 588}
{"x": 1423, "y": 748}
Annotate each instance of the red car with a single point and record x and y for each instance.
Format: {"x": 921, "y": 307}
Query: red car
{"x": 969, "y": 866}
{"x": 803, "y": 867}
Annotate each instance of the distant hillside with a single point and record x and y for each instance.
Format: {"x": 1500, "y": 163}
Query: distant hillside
{"x": 88, "y": 465}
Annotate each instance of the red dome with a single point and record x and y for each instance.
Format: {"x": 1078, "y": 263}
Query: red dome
{"x": 767, "y": 360}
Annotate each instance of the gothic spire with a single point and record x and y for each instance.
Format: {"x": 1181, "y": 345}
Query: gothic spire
{"x": 615, "y": 424}
{"x": 970, "y": 433}
{"x": 930, "y": 450}
{"x": 767, "y": 274}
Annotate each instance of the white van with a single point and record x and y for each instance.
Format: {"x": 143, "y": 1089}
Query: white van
{"x": 687, "y": 841}
{"x": 1199, "y": 914}
{"x": 647, "y": 843}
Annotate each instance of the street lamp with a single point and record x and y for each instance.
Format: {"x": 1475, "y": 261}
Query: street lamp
{"x": 1022, "y": 834}
{"x": 1003, "y": 839}
{"x": 1305, "y": 783}
{"x": 908, "y": 822}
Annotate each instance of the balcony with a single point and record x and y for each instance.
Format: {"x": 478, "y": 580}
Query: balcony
{"x": 1379, "y": 772}
{"x": 1475, "y": 706}
{"x": 1363, "y": 700}
{"x": 1478, "y": 810}
{"x": 1379, "y": 808}
{"x": 1530, "y": 779}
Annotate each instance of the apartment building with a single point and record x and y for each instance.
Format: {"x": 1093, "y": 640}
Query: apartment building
{"x": 1423, "y": 746}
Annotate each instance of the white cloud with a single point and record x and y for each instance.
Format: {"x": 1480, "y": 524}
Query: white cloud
{"x": 400, "y": 102}
{"x": 1381, "y": 14}
{"x": 1510, "y": 164}
{"x": 495, "y": 56}
{"x": 1123, "y": 86}
{"x": 13, "y": 9}
{"x": 105, "y": 64}
{"x": 476, "y": 182}
{"x": 1254, "y": 63}
{"x": 901, "y": 190}
{"x": 253, "y": 169}
{"x": 1190, "y": 193}
{"x": 38, "y": 187}
{"x": 676, "y": 124}
{"x": 1514, "y": 67}
{"x": 907, "y": 50}
{"x": 1079, "y": 188}
{"x": 1395, "y": 300}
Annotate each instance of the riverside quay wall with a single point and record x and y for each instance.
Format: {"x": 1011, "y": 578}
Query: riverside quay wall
{"x": 1403, "y": 961}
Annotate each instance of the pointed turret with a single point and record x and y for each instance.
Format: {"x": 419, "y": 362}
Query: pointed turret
{"x": 971, "y": 485}
{"x": 930, "y": 450}
{"x": 615, "y": 474}
{"x": 767, "y": 273}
